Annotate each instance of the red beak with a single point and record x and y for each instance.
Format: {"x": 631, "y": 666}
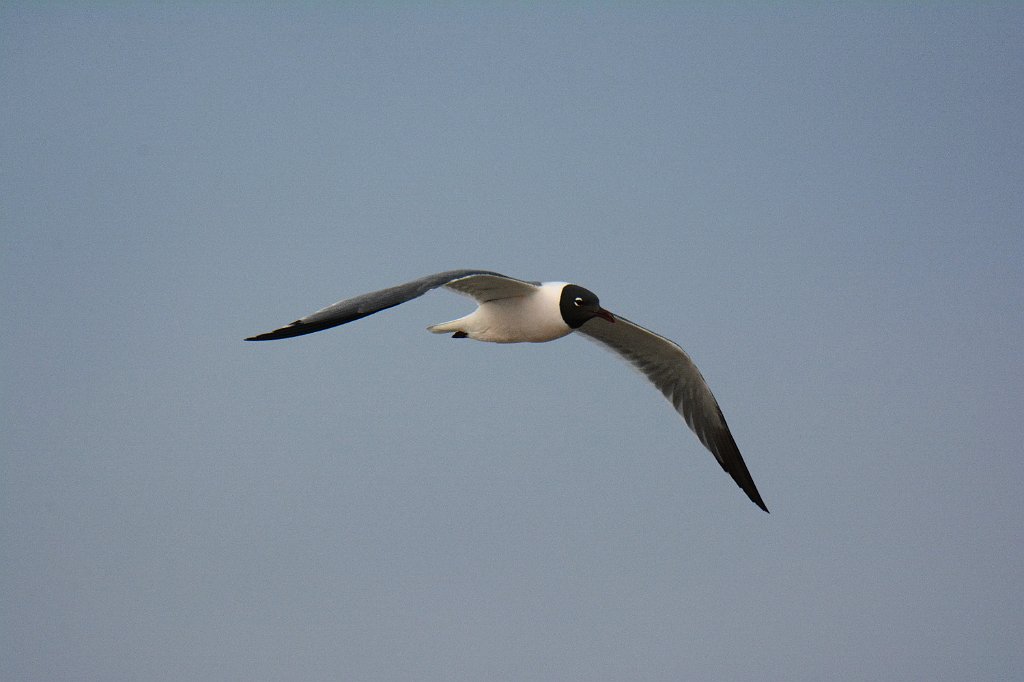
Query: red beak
{"x": 605, "y": 315}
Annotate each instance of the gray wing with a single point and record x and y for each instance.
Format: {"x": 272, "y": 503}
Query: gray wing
{"x": 479, "y": 284}
{"x": 491, "y": 286}
{"x": 672, "y": 371}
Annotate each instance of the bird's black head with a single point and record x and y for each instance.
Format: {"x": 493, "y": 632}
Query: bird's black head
{"x": 578, "y": 305}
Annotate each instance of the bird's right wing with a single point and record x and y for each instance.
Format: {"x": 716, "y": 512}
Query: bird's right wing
{"x": 671, "y": 370}
{"x": 482, "y": 285}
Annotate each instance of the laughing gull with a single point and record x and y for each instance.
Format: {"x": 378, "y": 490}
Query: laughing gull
{"x": 513, "y": 311}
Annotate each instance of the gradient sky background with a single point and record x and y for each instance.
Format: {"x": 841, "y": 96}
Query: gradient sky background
{"x": 823, "y": 206}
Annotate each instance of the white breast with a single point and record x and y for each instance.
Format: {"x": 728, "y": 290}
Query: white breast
{"x": 534, "y": 318}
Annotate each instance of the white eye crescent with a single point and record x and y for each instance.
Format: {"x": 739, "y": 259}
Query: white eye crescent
{"x": 577, "y": 301}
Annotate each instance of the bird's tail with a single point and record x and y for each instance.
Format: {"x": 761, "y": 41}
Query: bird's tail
{"x": 448, "y": 327}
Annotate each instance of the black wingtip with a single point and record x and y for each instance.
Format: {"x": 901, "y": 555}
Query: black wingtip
{"x": 751, "y": 490}
{"x": 740, "y": 474}
{"x": 270, "y": 336}
{"x": 282, "y": 333}
{"x": 296, "y": 328}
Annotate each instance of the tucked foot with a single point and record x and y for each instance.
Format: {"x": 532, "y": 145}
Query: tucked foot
{"x": 459, "y": 335}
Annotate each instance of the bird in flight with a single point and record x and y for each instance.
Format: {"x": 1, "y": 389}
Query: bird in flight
{"x": 514, "y": 311}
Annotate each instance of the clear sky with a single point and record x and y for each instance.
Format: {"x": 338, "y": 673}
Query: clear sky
{"x": 824, "y": 205}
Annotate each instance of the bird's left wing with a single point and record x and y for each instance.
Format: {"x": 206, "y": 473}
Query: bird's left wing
{"x": 475, "y": 283}
{"x": 672, "y": 371}
{"x": 491, "y": 286}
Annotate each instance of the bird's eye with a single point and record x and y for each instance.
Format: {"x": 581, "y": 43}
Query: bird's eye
{"x": 577, "y": 301}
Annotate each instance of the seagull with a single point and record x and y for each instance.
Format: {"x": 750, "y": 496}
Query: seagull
{"x": 512, "y": 310}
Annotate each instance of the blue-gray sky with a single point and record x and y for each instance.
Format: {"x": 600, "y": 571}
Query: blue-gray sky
{"x": 822, "y": 204}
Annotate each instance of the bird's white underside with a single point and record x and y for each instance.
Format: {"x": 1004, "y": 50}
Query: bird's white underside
{"x": 533, "y": 318}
